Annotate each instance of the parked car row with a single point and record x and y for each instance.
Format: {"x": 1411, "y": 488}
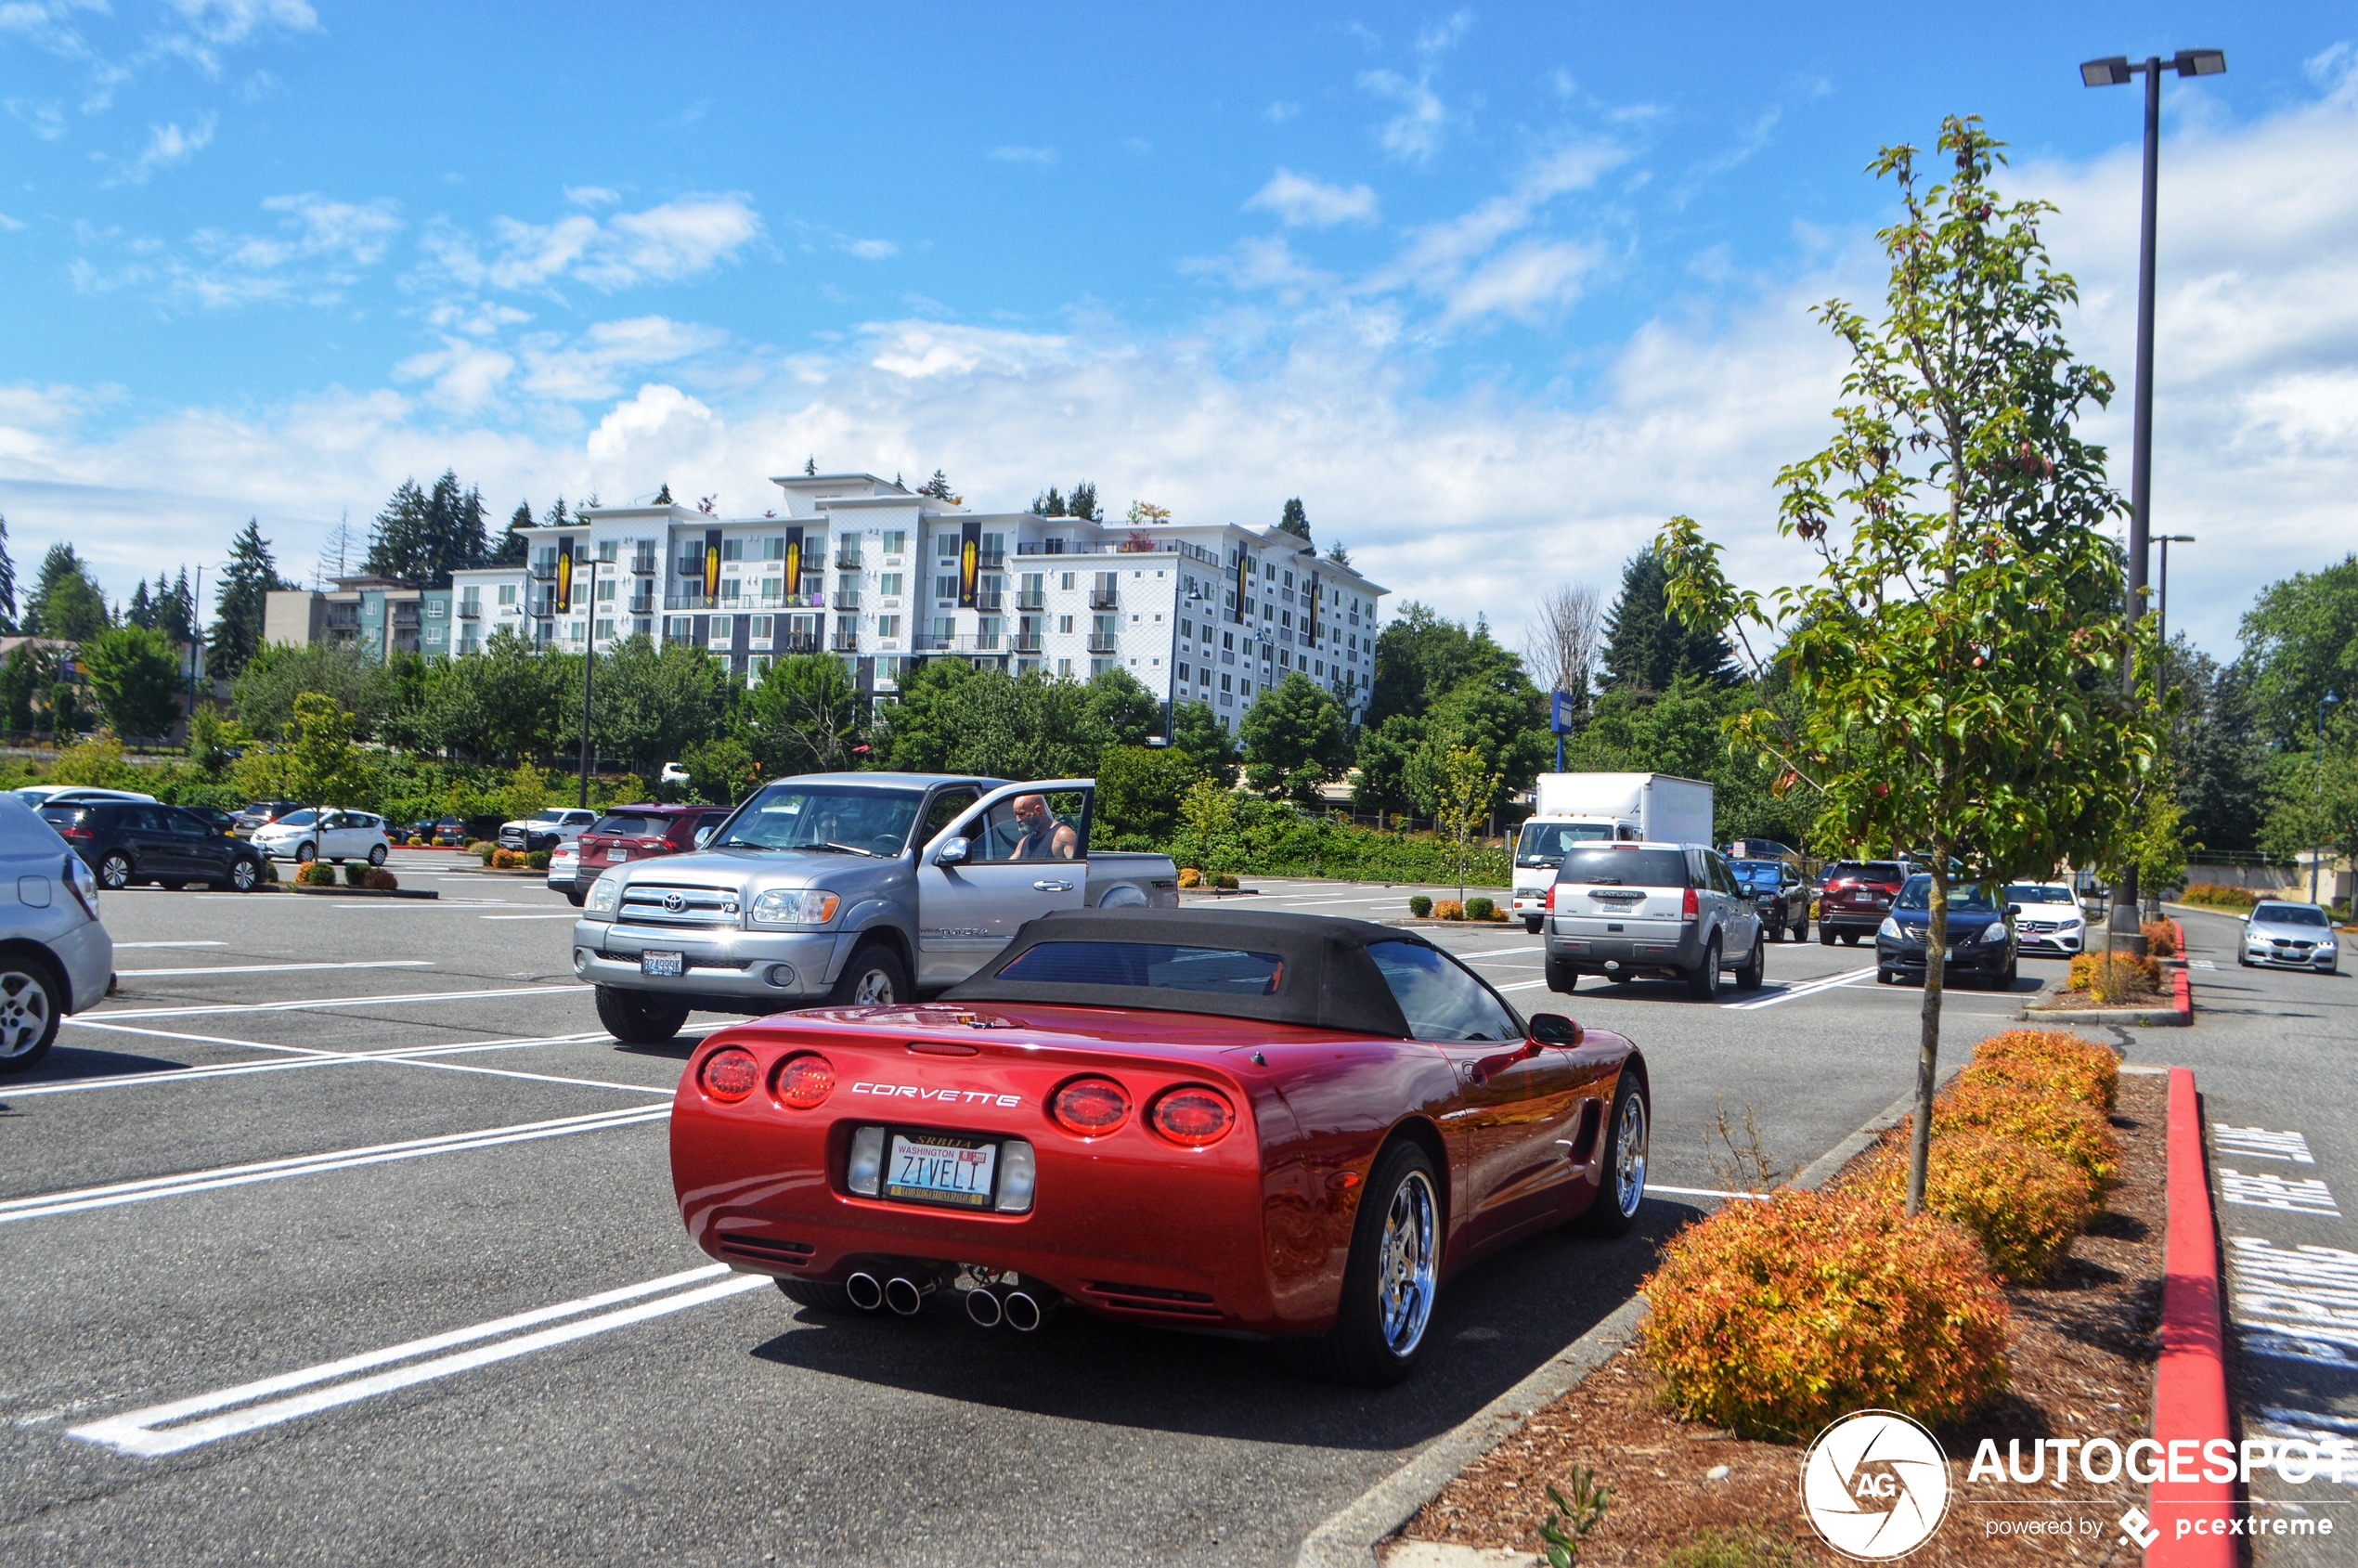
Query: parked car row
{"x": 623, "y": 834}
{"x": 125, "y": 843}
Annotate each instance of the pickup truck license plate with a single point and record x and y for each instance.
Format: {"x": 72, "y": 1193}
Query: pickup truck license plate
{"x": 663, "y": 965}
{"x": 941, "y": 1168}
{"x": 617, "y": 855}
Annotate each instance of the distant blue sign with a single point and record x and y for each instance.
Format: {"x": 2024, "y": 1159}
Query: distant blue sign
{"x": 1559, "y": 713}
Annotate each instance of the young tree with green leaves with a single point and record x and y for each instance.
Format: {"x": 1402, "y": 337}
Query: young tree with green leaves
{"x": 137, "y": 678}
{"x": 805, "y": 717}
{"x": 1957, "y": 662}
{"x": 1296, "y": 738}
{"x": 1461, "y": 799}
{"x": 324, "y": 769}
{"x": 1209, "y": 746}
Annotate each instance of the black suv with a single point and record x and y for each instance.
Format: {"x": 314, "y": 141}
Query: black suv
{"x": 1778, "y": 894}
{"x": 127, "y": 843}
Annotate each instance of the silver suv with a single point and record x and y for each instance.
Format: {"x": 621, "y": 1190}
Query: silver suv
{"x": 55, "y": 956}
{"x": 1637, "y": 911}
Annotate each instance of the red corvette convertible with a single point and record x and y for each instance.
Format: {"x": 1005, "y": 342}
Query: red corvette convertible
{"x": 1281, "y": 1124}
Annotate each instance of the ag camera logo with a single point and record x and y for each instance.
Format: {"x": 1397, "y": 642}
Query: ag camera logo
{"x": 1875, "y": 1485}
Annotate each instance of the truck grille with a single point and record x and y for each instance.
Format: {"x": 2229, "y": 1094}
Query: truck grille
{"x": 661, "y": 904}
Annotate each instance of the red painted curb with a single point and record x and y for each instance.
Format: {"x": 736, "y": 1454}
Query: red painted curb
{"x": 2182, "y": 993}
{"x": 2190, "y": 1385}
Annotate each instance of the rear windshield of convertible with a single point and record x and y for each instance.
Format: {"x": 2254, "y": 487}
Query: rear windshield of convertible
{"x": 1630, "y": 868}
{"x": 1155, "y": 966}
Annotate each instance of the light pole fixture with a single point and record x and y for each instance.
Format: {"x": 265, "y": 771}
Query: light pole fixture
{"x": 588, "y": 665}
{"x": 2115, "y": 71}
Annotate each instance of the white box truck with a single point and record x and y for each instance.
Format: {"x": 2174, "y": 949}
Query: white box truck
{"x": 1586, "y": 808}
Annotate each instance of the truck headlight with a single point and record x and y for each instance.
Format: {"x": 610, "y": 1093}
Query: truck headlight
{"x": 1890, "y": 927}
{"x": 795, "y": 906}
{"x": 605, "y": 894}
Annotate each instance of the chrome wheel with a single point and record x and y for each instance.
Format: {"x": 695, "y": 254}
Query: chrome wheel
{"x": 1629, "y": 1157}
{"x": 26, "y": 1013}
{"x": 243, "y": 875}
{"x": 875, "y": 990}
{"x": 1406, "y": 1265}
{"x": 114, "y": 873}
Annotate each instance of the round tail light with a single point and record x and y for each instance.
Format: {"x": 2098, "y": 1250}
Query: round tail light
{"x": 729, "y": 1073}
{"x": 1090, "y": 1107}
{"x": 1194, "y": 1117}
{"x": 805, "y": 1081}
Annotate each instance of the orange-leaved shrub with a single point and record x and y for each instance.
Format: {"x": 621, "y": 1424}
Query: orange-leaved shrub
{"x": 1190, "y": 877}
{"x": 2112, "y": 977}
{"x": 1448, "y": 909}
{"x": 2161, "y": 937}
{"x": 2219, "y": 895}
{"x": 1774, "y": 1317}
{"x": 2048, "y": 1059}
{"x": 2022, "y": 1203}
{"x": 505, "y": 859}
{"x": 318, "y": 873}
{"x": 2076, "y": 1130}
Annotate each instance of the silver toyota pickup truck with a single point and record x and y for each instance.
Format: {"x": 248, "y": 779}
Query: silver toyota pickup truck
{"x": 846, "y": 888}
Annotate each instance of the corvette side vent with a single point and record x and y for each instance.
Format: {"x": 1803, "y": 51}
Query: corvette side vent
{"x": 1151, "y": 1298}
{"x": 763, "y": 1249}
{"x": 1583, "y": 1145}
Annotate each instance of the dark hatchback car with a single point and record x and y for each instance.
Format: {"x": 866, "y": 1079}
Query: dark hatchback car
{"x": 1779, "y": 894}
{"x": 1981, "y": 938}
{"x": 126, "y": 843}
{"x": 1858, "y": 895}
{"x": 625, "y": 834}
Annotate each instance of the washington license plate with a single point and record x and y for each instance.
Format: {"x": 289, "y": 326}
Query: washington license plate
{"x": 661, "y": 965}
{"x": 617, "y": 856}
{"x": 941, "y": 1168}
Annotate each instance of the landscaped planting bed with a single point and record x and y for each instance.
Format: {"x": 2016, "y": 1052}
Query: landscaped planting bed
{"x": 2078, "y": 1363}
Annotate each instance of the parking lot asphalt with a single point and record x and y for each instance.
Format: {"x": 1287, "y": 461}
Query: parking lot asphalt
{"x": 342, "y": 1231}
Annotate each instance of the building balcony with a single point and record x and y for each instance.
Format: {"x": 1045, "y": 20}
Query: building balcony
{"x": 796, "y": 643}
{"x": 1099, "y": 643}
{"x": 1032, "y": 600}
{"x": 469, "y": 609}
{"x": 990, "y": 603}
{"x": 1025, "y": 643}
{"x": 991, "y": 560}
{"x": 844, "y": 642}
{"x": 642, "y": 565}
{"x": 544, "y": 570}
{"x": 846, "y": 560}
{"x": 847, "y": 600}
{"x": 1104, "y": 598}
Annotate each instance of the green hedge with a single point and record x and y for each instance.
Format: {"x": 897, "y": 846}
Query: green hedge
{"x": 1268, "y": 838}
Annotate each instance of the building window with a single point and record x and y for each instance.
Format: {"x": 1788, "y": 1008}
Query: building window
{"x": 678, "y": 628}
{"x": 946, "y": 544}
{"x": 889, "y": 584}
{"x": 772, "y": 548}
{"x": 605, "y": 589}
{"x": 1064, "y": 623}
{"x": 724, "y": 630}
{"x": 895, "y": 541}
{"x": 1067, "y": 583}
{"x": 1064, "y": 669}
{"x": 888, "y": 626}
{"x": 1183, "y": 669}
{"x": 732, "y": 550}
{"x": 576, "y": 630}
{"x": 1227, "y": 682}
{"x": 944, "y": 626}
{"x": 507, "y": 593}
{"x": 946, "y": 587}
{"x": 606, "y": 632}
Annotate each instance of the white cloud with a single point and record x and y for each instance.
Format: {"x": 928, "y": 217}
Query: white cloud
{"x": 873, "y": 250}
{"x": 167, "y": 145}
{"x": 321, "y": 247}
{"x": 1279, "y": 112}
{"x": 1300, "y": 201}
{"x": 1527, "y": 282}
{"x": 591, "y": 195}
{"x": 209, "y": 26}
{"x": 466, "y": 375}
{"x": 598, "y": 362}
{"x": 1413, "y": 136}
{"x": 679, "y": 239}
{"x": 11, "y": 224}
{"x": 1014, "y": 153}
{"x": 46, "y": 120}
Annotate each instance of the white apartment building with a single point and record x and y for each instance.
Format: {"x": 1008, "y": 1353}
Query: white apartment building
{"x": 884, "y": 577}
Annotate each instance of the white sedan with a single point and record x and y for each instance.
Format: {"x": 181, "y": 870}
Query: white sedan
{"x": 2052, "y": 920}
{"x": 332, "y": 834}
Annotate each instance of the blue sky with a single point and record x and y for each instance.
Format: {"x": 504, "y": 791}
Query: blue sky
{"x": 1493, "y": 289}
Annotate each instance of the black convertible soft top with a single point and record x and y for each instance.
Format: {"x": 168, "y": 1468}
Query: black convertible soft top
{"x": 1328, "y": 980}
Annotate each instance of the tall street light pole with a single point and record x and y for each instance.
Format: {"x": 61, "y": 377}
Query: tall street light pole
{"x": 2161, "y": 612}
{"x": 589, "y": 663}
{"x": 2115, "y": 72}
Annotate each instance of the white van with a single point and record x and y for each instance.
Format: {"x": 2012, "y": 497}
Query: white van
{"x": 55, "y": 956}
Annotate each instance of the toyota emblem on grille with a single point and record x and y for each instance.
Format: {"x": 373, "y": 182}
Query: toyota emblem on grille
{"x": 673, "y": 903}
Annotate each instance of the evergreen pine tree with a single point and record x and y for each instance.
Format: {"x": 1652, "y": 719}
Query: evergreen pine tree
{"x": 1295, "y": 521}
{"x": 1647, "y": 648}
{"x": 811, "y": 466}
{"x": 398, "y": 541}
{"x": 246, "y": 585}
{"x": 1051, "y": 504}
{"x": 938, "y": 486}
{"x": 1084, "y": 504}
{"x": 471, "y": 538}
{"x": 514, "y": 541}
{"x": 555, "y": 517}
{"x": 7, "y": 584}
{"x": 65, "y": 603}
{"x": 662, "y": 497}
{"x": 142, "y": 613}
{"x": 177, "y": 610}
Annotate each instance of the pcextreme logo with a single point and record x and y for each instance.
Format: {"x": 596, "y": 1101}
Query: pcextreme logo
{"x": 1875, "y": 1485}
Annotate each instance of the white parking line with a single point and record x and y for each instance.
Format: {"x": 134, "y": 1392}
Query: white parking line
{"x": 1806, "y": 988}
{"x": 137, "y": 1432}
{"x": 311, "y": 1164}
{"x": 563, "y": 915}
{"x": 120, "y": 946}
{"x": 197, "y": 1038}
{"x": 1520, "y": 985}
{"x": 414, "y": 1056}
{"x": 283, "y": 968}
{"x": 1707, "y": 1192}
{"x": 202, "y": 1009}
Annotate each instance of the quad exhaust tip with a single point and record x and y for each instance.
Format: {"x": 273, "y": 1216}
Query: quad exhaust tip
{"x": 905, "y": 1296}
{"x": 867, "y": 1292}
{"x": 983, "y": 1307}
{"x": 1023, "y": 1311}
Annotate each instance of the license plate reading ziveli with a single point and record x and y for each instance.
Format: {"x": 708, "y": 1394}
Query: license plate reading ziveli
{"x": 941, "y": 1168}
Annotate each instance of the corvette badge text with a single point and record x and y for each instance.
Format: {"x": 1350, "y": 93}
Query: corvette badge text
{"x": 1875, "y": 1484}
{"x": 943, "y": 1097}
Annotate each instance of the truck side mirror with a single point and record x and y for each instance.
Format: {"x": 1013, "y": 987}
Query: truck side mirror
{"x": 952, "y": 852}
